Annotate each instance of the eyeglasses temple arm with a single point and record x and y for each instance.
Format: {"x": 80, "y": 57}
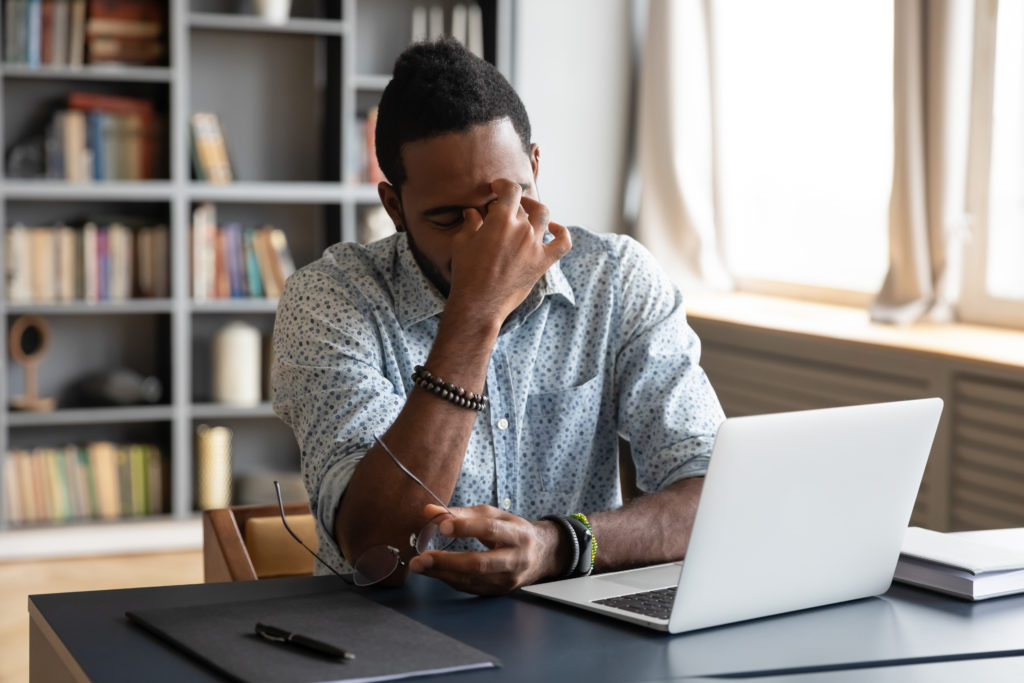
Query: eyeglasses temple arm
{"x": 414, "y": 477}
{"x": 280, "y": 505}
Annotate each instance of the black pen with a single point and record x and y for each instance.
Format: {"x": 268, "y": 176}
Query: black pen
{"x": 279, "y": 635}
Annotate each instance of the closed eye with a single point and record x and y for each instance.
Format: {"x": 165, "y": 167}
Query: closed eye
{"x": 456, "y": 219}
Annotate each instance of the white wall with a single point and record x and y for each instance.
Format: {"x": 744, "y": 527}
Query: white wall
{"x": 572, "y": 71}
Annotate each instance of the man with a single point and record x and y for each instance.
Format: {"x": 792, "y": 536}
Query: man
{"x": 573, "y": 337}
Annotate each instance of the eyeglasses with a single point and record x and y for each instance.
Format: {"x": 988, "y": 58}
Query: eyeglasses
{"x": 380, "y": 561}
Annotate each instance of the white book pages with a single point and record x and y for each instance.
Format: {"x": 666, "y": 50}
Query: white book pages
{"x": 960, "y": 552}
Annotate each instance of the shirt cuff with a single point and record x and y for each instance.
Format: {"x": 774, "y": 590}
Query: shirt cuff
{"x": 696, "y": 466}
{"x": 332, "y": 488}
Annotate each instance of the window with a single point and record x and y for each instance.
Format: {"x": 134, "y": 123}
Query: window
{"x": 1005, "y": 257}
{"x": 804, "y": 131}
{"x": 993, "y": 282}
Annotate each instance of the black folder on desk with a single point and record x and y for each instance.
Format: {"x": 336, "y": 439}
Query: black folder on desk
{"x": 387, "y": 645}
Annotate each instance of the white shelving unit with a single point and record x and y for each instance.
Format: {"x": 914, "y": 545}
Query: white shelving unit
{"x": 289, "y": 97}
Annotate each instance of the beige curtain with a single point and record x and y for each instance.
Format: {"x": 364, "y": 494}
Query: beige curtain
{"x": 675, "y": 153}
{"x": 927, "y": 222}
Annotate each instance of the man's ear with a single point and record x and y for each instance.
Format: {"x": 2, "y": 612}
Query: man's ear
{"x": 534, "y": 160}
{"x": 392, "y": 204}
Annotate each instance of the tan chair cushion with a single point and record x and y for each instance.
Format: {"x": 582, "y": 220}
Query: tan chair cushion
{"x": 272, "y": 549}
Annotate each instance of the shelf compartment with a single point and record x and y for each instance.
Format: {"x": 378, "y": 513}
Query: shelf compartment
{"x": 204, "y": 330}
{"x": 85, "y": 416}
{"x": 83, "y": 346}
{"x": 279, "y": 122}
{"x": 91, "y": 72}
{"x": 255, "y": 24}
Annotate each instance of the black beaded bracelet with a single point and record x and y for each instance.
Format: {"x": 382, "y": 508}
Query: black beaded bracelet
{"x": 422, "y": 378}
{"x": 574, "y": 546}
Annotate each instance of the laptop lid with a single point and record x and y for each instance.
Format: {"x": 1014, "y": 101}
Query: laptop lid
{"x": 798, "y": 510}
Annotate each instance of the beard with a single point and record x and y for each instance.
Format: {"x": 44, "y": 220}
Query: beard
{"x": 430, "y": 271}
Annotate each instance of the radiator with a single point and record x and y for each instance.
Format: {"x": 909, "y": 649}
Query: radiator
{"x": 975, "y": 473}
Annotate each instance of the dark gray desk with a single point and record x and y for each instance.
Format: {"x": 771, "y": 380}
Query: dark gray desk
{"x": 85, "y": 636}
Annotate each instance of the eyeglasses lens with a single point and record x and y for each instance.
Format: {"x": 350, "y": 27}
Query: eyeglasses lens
{"x": 376, "y": 564}
{"x": 431, "y": 538}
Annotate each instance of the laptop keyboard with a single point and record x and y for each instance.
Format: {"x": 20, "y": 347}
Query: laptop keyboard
{"x": 656, "y": 603}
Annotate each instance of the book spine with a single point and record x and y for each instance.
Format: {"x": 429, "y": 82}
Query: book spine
{"x": 252, "y": 266}
{"x": 265, "y": 255}
{"x": 103, "y": 263}
{"x": 236, "y": 271}
{"x": 11, "y": 492}
{"x": 95, "y": 144}
{"x": 35, "y": 30}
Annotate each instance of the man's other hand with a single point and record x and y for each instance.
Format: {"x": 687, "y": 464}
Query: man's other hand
{"x": 498, "y": 258}
{"x": 519, "y": 552}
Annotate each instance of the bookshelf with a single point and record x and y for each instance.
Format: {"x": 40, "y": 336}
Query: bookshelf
{"x": 289, "y": 97}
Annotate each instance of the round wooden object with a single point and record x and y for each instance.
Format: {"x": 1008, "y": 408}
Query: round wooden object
{"x": 16, "y": 335}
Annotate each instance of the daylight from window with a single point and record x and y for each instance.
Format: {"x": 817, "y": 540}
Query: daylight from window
{"x": 805, "y": 127}
{"x": 1005, "y": 276}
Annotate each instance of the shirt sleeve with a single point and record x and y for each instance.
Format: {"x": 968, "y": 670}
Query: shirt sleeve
{"x": 329, "y": 388}
{"x": 667, "y": 408}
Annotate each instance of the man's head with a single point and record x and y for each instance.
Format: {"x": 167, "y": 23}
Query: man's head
{"x": 439, "y": 87}
{"x": 448, "y": 127}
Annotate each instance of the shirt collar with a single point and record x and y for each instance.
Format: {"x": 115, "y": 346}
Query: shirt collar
{"x": 416, "y": 297}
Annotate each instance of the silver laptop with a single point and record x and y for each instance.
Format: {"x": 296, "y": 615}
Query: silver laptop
{"x": 798, "y": 510}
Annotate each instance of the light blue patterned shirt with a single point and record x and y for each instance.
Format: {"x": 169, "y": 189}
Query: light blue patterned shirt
{"x": 600, "y": 347}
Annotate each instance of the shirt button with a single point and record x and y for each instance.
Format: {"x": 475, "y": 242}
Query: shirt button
{"x": 507, "y": 503}
{"x": 502, "y": 423}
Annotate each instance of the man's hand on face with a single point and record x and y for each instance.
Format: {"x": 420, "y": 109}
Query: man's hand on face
{"x": 520, "y": 552}
{"x": 497, "y": 259}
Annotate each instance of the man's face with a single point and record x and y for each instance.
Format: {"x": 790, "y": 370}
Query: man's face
{"x": 447, "y": 174}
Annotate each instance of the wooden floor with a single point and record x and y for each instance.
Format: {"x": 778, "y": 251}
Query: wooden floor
{"x": 18, "y": 580}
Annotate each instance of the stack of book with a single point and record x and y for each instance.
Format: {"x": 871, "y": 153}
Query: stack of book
{"x": 93, "y": 263}
{"x": 76, "y": 32}
{"x": 232, "y": 261}
{"x": 126, "y": 31}
{"x": 101, "y": 480}
{"x": 973, "y": 565}
{"x": 103, "y": 137}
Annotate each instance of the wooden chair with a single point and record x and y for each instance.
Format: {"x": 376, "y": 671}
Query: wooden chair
{"x": 248, "y": 542}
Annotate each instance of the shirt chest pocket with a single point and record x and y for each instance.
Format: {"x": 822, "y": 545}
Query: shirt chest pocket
{"x": 559, "y": 435}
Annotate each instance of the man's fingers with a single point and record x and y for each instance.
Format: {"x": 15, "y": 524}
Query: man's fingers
{"x": 445, "y": 565}
{"x": 471, "y": 221}
{"x": 509, "y": 195}
{"x": 489, "y": 530}
{"x": 538, "y": 214}
{"x": 560, "y": 246}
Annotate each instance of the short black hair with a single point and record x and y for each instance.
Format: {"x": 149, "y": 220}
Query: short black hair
{"x": 440, "y": 87}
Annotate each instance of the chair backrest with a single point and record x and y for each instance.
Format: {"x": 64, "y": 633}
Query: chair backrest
{"x": 248, "y": 542}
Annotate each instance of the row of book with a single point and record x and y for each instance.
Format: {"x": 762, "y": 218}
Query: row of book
{"x": 76, "y": 32}
{"x": 103, "y": 137}
{"x": 101, "y": 480}
{"x": 232, "y": 261}
{"x": 93, "y": 263}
